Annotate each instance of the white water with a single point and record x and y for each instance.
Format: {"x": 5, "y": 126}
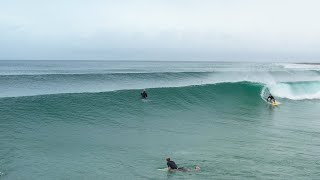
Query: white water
{"x": 296, "y": 91}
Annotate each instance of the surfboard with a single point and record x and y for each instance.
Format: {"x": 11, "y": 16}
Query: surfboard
{"x": 163, "y": 169}
{"x": 275, "y": 103}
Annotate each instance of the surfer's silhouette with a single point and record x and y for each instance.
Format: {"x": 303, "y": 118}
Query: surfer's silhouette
{"x": 271, "y": 99}
{"x": 144, "y": 94}
{"x": 173, "y": 167}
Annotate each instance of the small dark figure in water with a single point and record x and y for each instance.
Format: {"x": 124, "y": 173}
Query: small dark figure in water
{"x": 171, "y": 164}
{"x": 144, "y": 94}
{"x": 173, "y": 167}
{"x": 271, "y": 99}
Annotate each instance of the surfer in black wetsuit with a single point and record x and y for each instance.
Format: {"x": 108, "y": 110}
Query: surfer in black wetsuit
{"x": 171, "y": 164}
{"x": 173, "y": 167}
{"x": 144, "y": 94}
{"x": 271, "y": 99}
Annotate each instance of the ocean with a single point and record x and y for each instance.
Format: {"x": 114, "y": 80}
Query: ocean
{"x": 86, "y": 120}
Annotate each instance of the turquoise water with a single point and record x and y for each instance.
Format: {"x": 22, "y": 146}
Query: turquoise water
{"x": 85, "y": 120}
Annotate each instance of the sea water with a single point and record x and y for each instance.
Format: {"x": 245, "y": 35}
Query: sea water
{"x": 86, "y": 120}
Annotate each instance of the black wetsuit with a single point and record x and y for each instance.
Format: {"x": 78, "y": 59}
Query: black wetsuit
{"x": 144, "y": 94}
{"x": 270, "y": 98}
{"x": 172, "y": 165}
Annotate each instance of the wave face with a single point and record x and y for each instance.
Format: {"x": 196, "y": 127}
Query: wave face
{"x": 20, "y": 78}
{"x": 213, "y": 126}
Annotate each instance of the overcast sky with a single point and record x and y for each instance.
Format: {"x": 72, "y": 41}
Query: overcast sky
{"x": 236, "y": 30}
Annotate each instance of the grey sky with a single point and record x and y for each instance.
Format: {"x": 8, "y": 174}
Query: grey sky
{"x": 275, "y": 30}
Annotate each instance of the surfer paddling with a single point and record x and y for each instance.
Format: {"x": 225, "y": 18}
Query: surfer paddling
{"x": 173, "y": 167}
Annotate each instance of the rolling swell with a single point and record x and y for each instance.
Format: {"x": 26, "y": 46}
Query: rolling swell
{"x": 172, "y": 97}
{"x": 292, "y": 83}
{"x": 95, "y": 83}
{"x": 124, "y": 108}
